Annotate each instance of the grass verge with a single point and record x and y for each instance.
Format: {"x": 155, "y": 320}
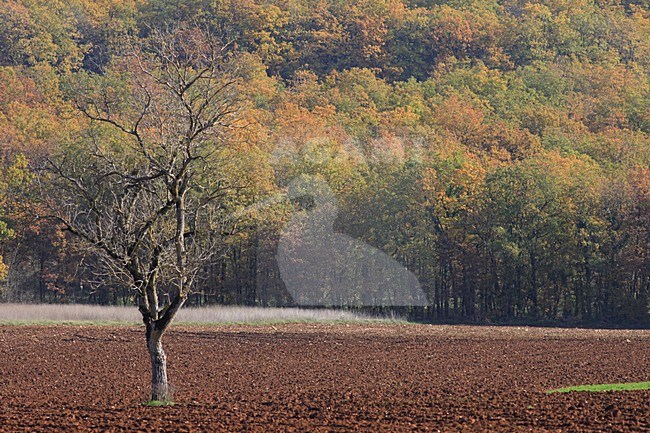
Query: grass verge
{"x": 46, "y": 314}
{"x": 632, "y": 386}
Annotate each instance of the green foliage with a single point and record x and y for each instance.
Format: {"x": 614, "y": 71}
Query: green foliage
{"x": 498, "y": 149}
{"x": 13, "y": 180}
{"x": 36, "y": 32}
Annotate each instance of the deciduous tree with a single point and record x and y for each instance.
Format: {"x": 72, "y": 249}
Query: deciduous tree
{"x": 142, "y": 187}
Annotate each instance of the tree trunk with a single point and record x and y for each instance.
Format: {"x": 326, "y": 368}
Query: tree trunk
{"x": 159, "y": 384}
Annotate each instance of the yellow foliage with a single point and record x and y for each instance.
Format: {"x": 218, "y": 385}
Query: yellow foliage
{"x": 3, "y": 270}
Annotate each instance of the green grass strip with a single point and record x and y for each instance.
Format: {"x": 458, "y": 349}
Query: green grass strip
{"x": 632, "y": 386}
{"x": 157, "y": 403}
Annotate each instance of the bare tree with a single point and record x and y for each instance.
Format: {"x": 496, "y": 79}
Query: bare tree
{"x": 141, "y": 187}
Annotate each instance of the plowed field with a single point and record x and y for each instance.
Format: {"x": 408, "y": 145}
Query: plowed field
{"x": 323, "y": 378}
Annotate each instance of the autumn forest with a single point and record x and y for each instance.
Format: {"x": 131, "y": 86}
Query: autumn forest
{"x": 499, "y": 150}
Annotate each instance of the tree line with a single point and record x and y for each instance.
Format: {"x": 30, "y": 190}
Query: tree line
{"x": 498, "y": 150}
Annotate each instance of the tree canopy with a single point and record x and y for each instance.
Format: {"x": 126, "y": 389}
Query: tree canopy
{"x": 497, "y": 149}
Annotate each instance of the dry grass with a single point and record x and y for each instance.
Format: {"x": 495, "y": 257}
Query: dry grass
{"x": 44, "y": 313}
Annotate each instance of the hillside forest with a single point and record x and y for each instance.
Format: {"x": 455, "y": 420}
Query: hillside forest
{"x": 497, "y": 149}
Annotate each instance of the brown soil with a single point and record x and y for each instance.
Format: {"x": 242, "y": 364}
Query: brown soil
{"x": 324, "y": 378}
